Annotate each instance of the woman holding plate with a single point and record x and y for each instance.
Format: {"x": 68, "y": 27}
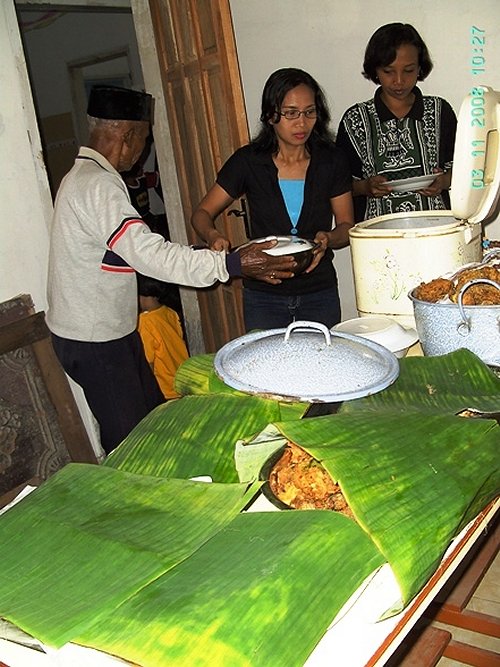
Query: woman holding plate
{"x": 399, "y": 134}
{"x": 295, "y": 181}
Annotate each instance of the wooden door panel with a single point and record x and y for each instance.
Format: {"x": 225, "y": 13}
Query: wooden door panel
{"x": 166, "y": 43}
{"x": 206, "y": 114}
{"x": 207, "y": 32}
{"x": 223, "y": 141}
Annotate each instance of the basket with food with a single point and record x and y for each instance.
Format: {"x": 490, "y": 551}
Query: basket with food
{"x": 461, "y": 311}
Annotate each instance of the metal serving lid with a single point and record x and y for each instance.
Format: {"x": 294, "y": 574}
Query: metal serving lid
{"x": 312, "y": 365}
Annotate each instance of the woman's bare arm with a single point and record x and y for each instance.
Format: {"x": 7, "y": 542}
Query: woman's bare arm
{"x": 203, "y": 219}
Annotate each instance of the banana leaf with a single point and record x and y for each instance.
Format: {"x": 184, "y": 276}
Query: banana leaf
{"x": 443, "y": 384}
{"x": 193, "y": 436}
{"x": 262, "y": 592}
{"x": 197, "y": 376}
{"x": 90, "y": 537}
{"x": 87, "y": 555}
{"x": 411, "y": 482}
{"x": 166, "y": 572}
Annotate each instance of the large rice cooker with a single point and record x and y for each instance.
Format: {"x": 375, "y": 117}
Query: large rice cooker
{"x": 391, "y": 254}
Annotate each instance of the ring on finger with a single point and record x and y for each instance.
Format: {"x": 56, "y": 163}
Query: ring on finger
{"x": 273, "y": 275}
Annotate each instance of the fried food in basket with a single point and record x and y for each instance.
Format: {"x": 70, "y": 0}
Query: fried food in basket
{"x": 434, "y": 291}
{"x": 444, "y": 289}
{"x": 301, "y": 482}
{"x": 477, "y": 295}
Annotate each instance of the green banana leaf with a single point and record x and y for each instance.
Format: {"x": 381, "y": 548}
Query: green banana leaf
{"x": 89, "y": 554}
{"x": 194, "y": 436}
{"x": 167, "y": 572}
{"x": 444, "y": 384}
{"x": 436, "y": 387}
{"x": 197, "y": 376}
{"x": 262, "y": 592}
{"x": 411, "y": 482}
{"x": 90, "y": 537}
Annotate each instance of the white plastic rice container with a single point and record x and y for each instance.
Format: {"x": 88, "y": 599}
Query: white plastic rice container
{"x": 392, "y": 254}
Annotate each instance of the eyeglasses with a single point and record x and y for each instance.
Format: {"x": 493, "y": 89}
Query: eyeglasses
{"x": 293, "y": 114}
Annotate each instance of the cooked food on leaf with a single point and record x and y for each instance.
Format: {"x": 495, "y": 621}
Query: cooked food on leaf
{"x": 301, "y": 482}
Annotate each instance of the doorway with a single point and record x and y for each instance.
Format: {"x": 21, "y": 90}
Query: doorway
{"x": 199, "y": 28}
{"x": 67, "y": 52}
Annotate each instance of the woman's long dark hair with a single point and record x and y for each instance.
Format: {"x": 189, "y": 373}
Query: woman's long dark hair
{"x": 382, "y": 46}
{"x": 275, "y": 89}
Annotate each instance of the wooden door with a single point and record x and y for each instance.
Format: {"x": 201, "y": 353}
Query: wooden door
{"x": 204, "y": 102}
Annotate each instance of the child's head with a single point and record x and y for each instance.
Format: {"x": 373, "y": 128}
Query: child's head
{"x": 166, "y": 294}
{"x": 383, "y": 44}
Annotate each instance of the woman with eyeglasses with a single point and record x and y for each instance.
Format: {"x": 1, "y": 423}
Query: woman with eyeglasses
{"x": 296, "y": 182}
{"x": 399, "y": 133}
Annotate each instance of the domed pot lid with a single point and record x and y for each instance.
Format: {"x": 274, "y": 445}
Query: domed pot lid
{"x": 306, "y": 362}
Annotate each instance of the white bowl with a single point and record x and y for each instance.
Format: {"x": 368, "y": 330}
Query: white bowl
{"x": 382, "y": 330}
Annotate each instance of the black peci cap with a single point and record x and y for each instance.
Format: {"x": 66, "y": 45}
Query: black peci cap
{"x": 115, "y": 103}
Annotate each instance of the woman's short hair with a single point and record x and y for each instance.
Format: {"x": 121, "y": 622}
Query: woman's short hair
{"x": 382, "y": 46}
{"x": 276, "y": 87}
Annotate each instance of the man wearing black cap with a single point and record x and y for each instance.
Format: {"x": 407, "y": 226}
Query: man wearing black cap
{"x": 98, "y": 242}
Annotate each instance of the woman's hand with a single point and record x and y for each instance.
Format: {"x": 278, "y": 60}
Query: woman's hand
{"x": 216, "y": 241}
{"x": 321, "y": 239}
{"x": 338, "y": 237}
{"x": 441, "y": 182}
{"x": 203, "y": 219}
{"x": 377, "y": 186}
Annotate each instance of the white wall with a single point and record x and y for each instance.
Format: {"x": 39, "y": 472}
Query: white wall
{"x": 328, "y": 38}
{"x": 24, "y": 192}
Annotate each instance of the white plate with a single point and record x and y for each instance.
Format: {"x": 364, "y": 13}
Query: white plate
{"x": 412, "y": 184}
{"x": 382, "y": 330}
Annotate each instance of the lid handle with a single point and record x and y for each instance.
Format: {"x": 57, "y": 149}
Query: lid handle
{"x": 491, "y": 254}
{"x": 465, "y": 325}
{"x": 304, "y": 324}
